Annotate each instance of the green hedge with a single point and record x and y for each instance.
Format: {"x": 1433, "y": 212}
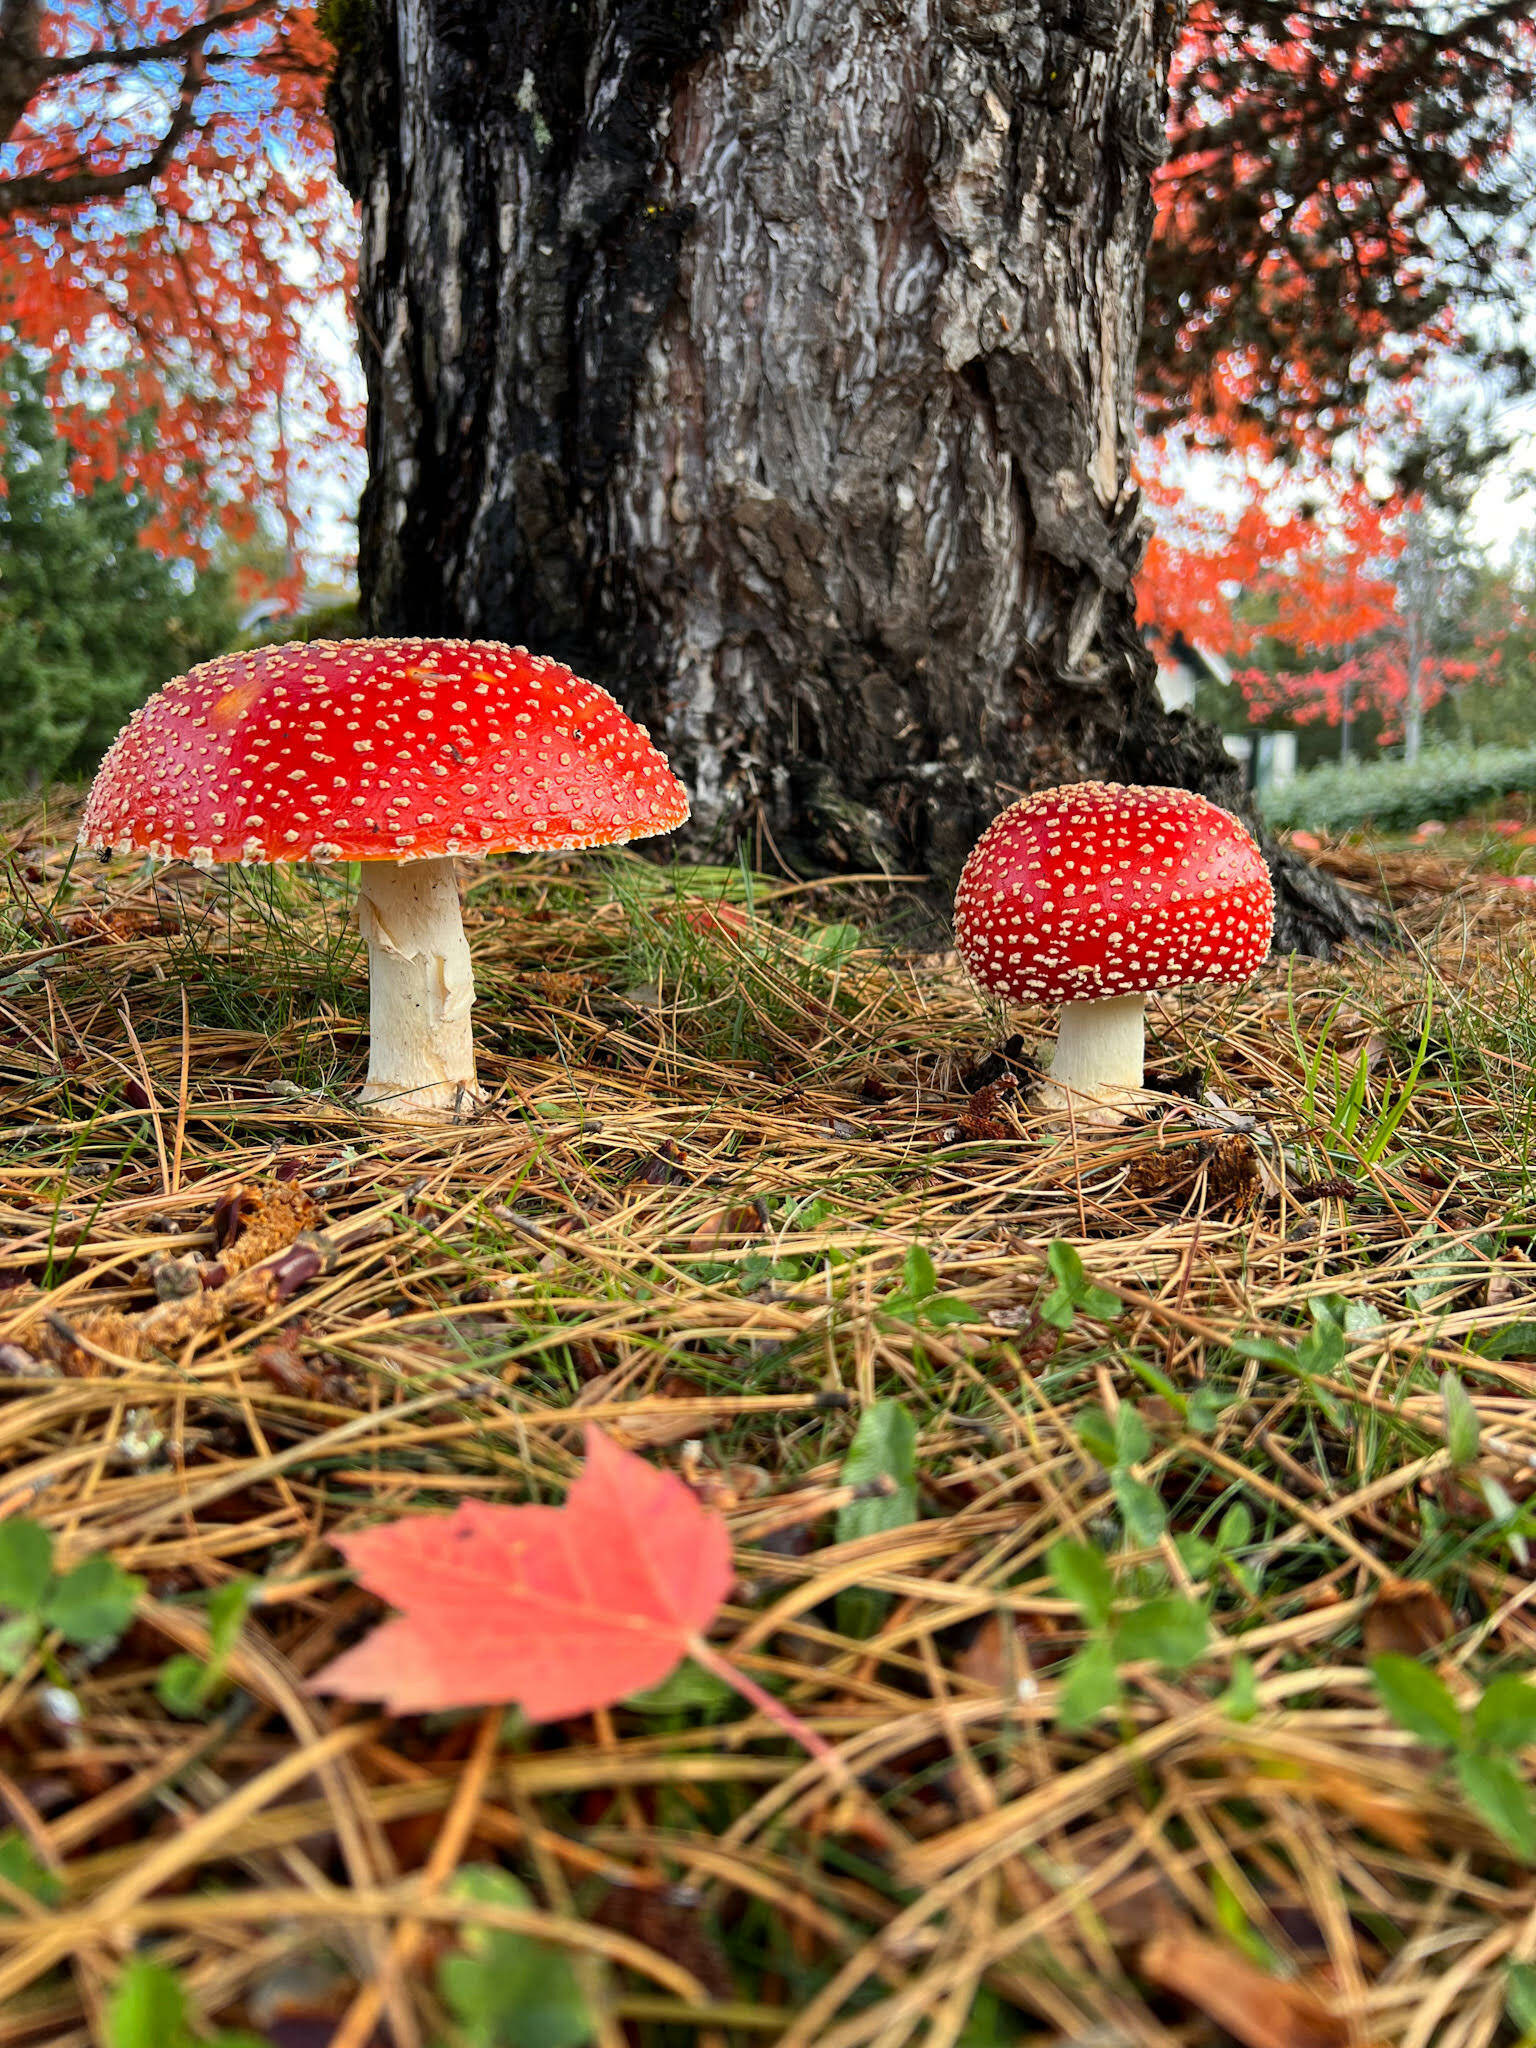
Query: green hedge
{"x": 1393, "y": 796}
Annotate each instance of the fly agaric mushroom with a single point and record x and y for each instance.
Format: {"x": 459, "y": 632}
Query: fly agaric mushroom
{"x": 400, "y": 754}
{"x": 1094, "y": 896}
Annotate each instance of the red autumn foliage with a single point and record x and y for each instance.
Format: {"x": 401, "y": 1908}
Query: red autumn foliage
{"x": 1343, "y": 187}
{"x": 1340, "y": 177}
{"x": 1305, "y": 567}
{"x": 560, "y": 1609}
{"x": 1375, "y": 680}
{"x": 1313, "y": 542}
{"x": 173, "y": 236}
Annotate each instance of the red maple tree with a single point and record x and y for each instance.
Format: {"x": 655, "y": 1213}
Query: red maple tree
{"x": 174, "y": 240}
{"x": 1253, "y": 550}
{"x": 1343, "y": 176}
{"x": 172, "y": 243}
{"x": 1311, "y": 585}
{"x": 1305, "y": 582}
{"x": 1342, "y": 191}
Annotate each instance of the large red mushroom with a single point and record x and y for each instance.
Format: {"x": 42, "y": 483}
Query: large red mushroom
{"x": 1094, "y": 896}
{"x": 400, "y": 754}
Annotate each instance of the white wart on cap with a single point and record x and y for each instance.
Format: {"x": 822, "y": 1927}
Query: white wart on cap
{"x": 1096, "y": 895}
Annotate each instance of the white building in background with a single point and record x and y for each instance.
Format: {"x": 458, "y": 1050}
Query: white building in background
{"x": 1268, "y": 758}
{"x": 1182, "y": 667}
{"x": 318, "y": 597}
{"x": 1274, "y": 759}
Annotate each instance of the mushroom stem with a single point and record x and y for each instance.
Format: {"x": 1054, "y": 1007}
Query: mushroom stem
{"x": 421, "y": 1060}
{"x": 1099, "y": 1048}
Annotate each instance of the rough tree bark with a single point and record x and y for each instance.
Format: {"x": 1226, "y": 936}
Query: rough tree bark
{"x": 771, "y": 362}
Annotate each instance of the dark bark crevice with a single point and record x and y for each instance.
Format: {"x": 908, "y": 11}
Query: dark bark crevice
{"x": 774, "y": 365}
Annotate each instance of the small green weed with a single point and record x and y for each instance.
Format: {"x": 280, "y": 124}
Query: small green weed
{"x": 507, "y": 1990}
{"x": 1120, "y": 1446}
{"x": 21, "y": 1866}
{"x": 1520, "y": 2000}
{"x": 882, "y": 1463}
{"x": 90, "y": 1605}
{"x": 1074, "y": 1293}
{"x": 1315, "y": 1356}
{"x": 918, "y": 1301}
{"x": 148, "y": 2009}
{"x": 1169, "y": 1630}
{"x": 1484, "y": 1745}
{"x": 188, "y": 1685}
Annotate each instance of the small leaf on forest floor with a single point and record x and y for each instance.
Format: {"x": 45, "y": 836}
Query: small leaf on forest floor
{"x": 187, "y": 1684}
{"x": 1484, "y": 1744}
{"x": 829, "y": 945}
{"x": 918, "y": 1299}
{"x": 1090, "y": 1685}
{"x": 1515, "y": 1340}
{"x": 560, "y": 1609}
{"x": 1254, "y": 2007}
{"x": 1418, "y": 1699}
{"x": 91, "y": 1604}
{"x": 1498, "y": 1792}
{"x": 148, "y": 2009}
{"x": 727, "y": 1226}
{"x": 710, "y": 918}
{"x": 26, "y": 1565}
{"x": 884, "y": 1448}
{"x": 508, "y": 1990}
{"x": 1240, "y": 1701}
{"x": 21, "y": 1867}
{"x": 688, "y": 1689}
{"x": 1520, "y": 1996}
{"x": 1171, "y": 1631}
{"x": 998, "y": 1657}
{"x": 1407, "y": 1616}
{"x": 882, "y": 1463}
{"x": 1168, "y": 1629}
{"x": 1082, "y": 1576}
{"x": 1074, "y": 1293}
{"x": 1505, "y": 1716}
{"x": 1462, "y": 1430}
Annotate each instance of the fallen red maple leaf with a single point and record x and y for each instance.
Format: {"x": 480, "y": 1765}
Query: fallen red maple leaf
{"x": 560, "y": 1609}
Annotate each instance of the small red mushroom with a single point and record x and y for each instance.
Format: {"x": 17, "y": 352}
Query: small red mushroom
{"x": 1094, "y": 896}
{"x": 400, "y": 754}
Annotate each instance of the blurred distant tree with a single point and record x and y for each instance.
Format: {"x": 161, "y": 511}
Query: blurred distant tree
{"x": 1334, "y": 606}
{"x": 1347, "y": 204}
{"x": 1348, "y": 191}
{"x": 91, "y": 621}
{"x": 170, "y": 234}
{"x": 1498, "y": 707}
{"x": 1435, "y": 578}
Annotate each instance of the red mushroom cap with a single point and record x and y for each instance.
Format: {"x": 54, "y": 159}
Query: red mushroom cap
{"x": 1077, "y": 894}
{"x": 378, "y": 750}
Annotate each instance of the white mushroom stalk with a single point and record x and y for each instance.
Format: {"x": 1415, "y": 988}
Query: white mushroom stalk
{"x": 1100, "y": 1049}
{"x": 421, "y": 990}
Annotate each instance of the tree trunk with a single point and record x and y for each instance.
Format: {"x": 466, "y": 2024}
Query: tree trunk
{"x": 772, "y": 362}
{"x": 1413, "y": 708}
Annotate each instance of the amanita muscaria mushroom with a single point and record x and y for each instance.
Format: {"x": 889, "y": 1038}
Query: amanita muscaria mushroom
{"x": 1094, "y": 896}
{"x": 400, "y": 754}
